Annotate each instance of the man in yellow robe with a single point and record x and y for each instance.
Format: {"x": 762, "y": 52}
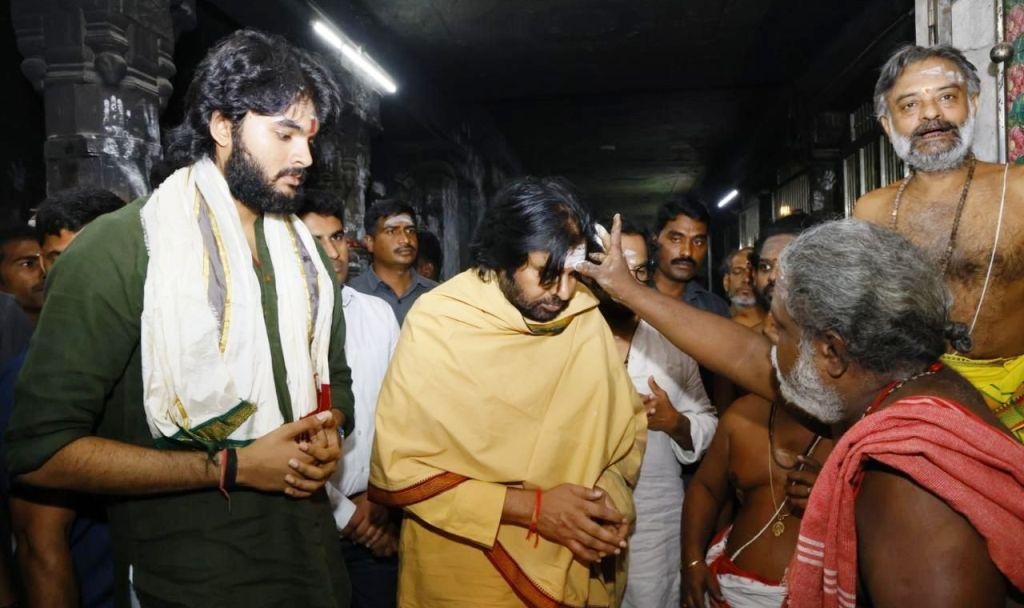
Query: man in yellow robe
{"x": 507, "y": 427}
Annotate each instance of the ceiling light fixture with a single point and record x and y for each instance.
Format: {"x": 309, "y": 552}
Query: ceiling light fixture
{"x": 728, "y": 198}
{"x": 356, "y": 55}
{"x": 785, "y": 210}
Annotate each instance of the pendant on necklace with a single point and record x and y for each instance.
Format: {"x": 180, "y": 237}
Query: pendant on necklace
{"x": 778, "y": 528}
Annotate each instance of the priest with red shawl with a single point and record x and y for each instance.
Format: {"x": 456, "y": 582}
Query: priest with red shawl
{"x": 921, "y": 502}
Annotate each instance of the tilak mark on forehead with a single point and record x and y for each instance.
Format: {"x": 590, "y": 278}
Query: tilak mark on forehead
{"x": 307, "y": 122}
{"x": 576, "y": 256}
{"x": 938, "y": 70}
{"x": 402, "y": 219}
{"x": 632, "y": 257}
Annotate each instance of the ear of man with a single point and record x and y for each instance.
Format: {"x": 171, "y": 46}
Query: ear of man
{"x": 832, "y": 348}
{"x": 220, "y": 129}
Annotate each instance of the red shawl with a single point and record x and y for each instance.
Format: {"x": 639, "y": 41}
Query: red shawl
{"x": 946, "y": 449}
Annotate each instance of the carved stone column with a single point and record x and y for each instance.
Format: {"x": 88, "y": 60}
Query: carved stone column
{"x": 343, "y": 168}
{"x": 344, "y": 164}
{"x": 103, "y": 68}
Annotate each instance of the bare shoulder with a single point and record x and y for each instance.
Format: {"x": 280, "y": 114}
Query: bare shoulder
{"x": 875, "y": 206}
{"x": 1015, "y": 185}
{"x": 884, "y": 489}
{"x": 906, "y": 535}
{"x": 1015, "y": 173}
{"x": 749, "y": 410}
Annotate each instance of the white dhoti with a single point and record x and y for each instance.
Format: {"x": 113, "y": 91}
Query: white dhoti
{"x": 741, "y": 588}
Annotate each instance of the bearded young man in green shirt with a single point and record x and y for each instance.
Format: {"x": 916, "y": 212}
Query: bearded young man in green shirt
{"x": 189, "y": 359}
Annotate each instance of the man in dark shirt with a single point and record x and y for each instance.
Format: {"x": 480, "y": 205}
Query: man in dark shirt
{"x": 680, "y": 244}
{"x": 172, "y": 365}
{"x": 392, "y": 240}
{"x": 63, "y": 540}
{"x": 21, "y": 273}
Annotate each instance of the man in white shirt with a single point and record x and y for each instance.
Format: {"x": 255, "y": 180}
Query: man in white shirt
{"x": 680, "y": 422}
{"x": 369, "y": 536}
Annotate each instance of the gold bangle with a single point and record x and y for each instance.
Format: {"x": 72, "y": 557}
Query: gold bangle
{"x": 694, "y": 563}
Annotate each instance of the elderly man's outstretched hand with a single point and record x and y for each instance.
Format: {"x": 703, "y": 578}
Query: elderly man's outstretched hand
{"x": 610, "y": 270}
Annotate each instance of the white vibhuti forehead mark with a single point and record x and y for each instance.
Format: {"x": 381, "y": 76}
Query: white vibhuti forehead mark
{"x": 603, "y": 236}
{"x": 576, "y": 256}
{"x": 632, "y": 257}
{"x": 395, "y": 221}
{"x": 938, "y": 70}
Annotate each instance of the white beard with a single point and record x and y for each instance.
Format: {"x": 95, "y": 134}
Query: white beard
{"x": 743, "y": 301}
{"x": 942, "y": 161}
{"x": 805, "y": 390}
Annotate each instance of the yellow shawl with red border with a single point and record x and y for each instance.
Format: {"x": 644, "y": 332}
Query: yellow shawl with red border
{"x": 477, "y": 400}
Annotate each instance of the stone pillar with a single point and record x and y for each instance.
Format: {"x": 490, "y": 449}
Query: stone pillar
{"x": 343, "y": 169}
{"x": 344, "y": 166}
{"x": 103, "y": 69}
{"x": 439, "y": 209}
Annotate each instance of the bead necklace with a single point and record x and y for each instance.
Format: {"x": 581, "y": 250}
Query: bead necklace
{"x": 898, "y": 384}
{"x": 944, "y": 264}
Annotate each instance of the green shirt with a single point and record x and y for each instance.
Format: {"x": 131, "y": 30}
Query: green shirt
{"x": 83, "y": 376}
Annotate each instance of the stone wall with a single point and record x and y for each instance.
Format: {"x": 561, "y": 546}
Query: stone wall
{"x": 448, "y": 180}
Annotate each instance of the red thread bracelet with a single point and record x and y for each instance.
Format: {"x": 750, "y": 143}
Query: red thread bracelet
{"x": 532, "y": 531}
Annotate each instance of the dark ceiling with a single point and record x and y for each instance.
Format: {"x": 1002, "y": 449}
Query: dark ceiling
{"x": 632, "y": 100}
{"x": 635, "y": 101}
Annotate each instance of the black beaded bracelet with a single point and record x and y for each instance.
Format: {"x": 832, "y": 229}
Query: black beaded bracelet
{"x": 231, "y": 469}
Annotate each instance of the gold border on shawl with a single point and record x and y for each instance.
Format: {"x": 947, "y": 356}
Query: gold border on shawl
{"x": 428, "y": 488}
{"x": 183, "y": 413}
{"x": 528, "y": 591}
{"x": 225, "y": 264}
{"x": 305, "y": 280}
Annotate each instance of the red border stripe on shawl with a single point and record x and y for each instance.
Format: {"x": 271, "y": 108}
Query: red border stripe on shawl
{"x": 532, "y": 595}
{"x": 428, "y": 488}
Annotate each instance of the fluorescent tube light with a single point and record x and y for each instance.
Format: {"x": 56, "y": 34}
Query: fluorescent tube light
{"x": 728, "y": 198}
{"x": 356, "y": 55}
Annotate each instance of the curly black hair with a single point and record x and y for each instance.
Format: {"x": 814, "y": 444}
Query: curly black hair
{"x": 73, "y": 208}
{"x": 322, "y": 202}
{"x": 531, "y": 214}
{"x": 249, "y": 71}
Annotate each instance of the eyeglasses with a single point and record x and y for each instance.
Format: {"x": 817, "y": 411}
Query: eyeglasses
{"x": 641, "y": 272}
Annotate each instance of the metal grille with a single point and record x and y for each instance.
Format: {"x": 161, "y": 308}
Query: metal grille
{"x": 869, "y": 173}
{"x": 792, "y": 196}
{"x": 850, "y": 183}
{"x": 749, "y": 224}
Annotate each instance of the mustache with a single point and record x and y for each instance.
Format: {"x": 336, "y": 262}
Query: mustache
{"x": 684, "y": 258}
{"x": 552, "y": 301}
{"x": 293, "y": 172}
{"x": 937, "y": 124}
